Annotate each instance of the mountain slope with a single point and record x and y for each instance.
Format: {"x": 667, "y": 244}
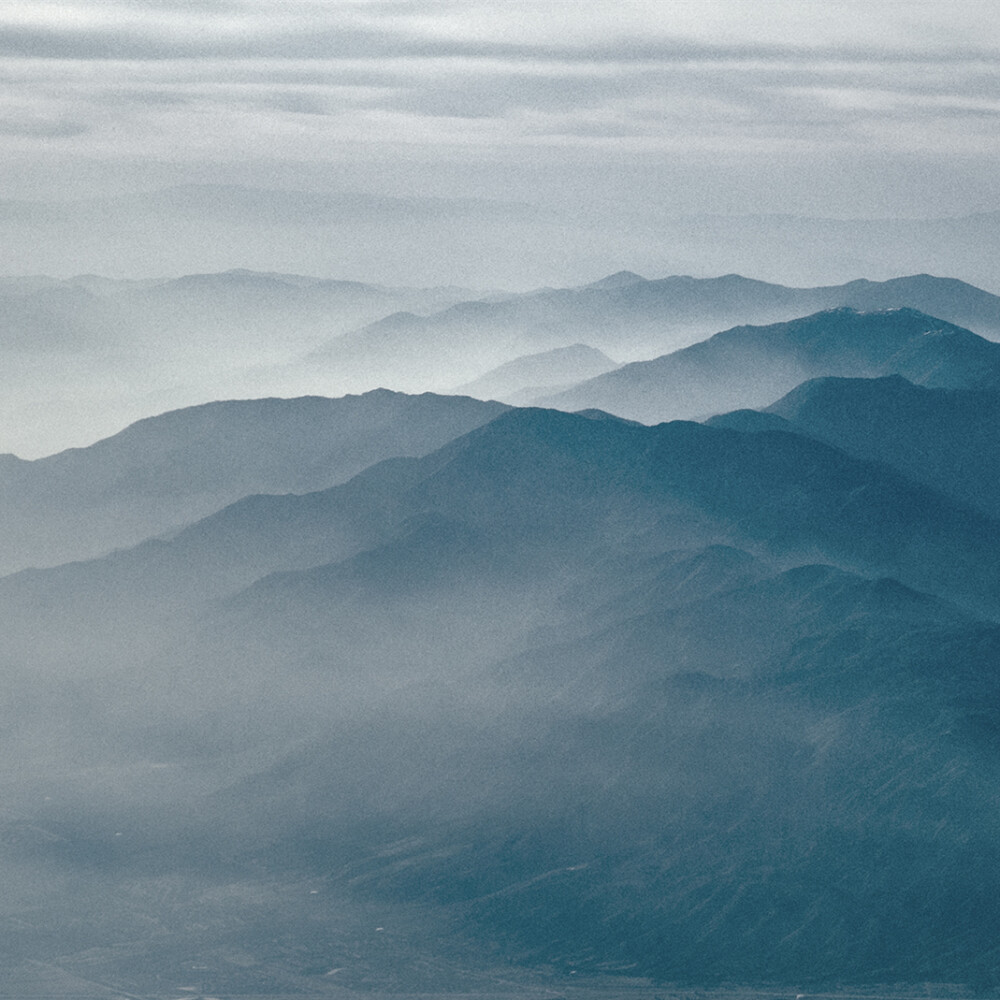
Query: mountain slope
{"x": 946, "y": 438}
{"x": 726, "y": 783}
{"x": 751, "y": 366}
{"x": 541, "y": 498}
{"x": 166, "y": 471}
{"x": 573, "y": 694}
{"x": 527, "y": 377}
{"x": 705, "y": 791}
{"x": 626, "y": 317}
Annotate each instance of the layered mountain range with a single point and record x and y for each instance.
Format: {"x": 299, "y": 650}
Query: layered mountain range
{"x": 625, "y": 316}
{"x": 83, "y": 357}
{"x": 750, "y": 366}
{"x": 420, "y": 693}
{"x": 164, "y": 472}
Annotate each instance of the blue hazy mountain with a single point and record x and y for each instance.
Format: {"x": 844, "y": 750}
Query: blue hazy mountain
{"x": 946, "y": 438}
{"x": 624, "y": 316}
{"x": 592, "y": 691}
{"x": 708, "y": 791}
{"x": 163, "y": 472}
{"x": 569, "y": 693}
{"x": 534, "y": 480}
{"x": 490, "y": 536}
{"x": 751, "y": 366}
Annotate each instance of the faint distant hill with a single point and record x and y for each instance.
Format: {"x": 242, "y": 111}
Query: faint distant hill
{"x": 117, "y": 350}
{"x": 251, "y": 308}
{"x": 529, "y": 376}
{"x": 751, "y": 366}
{"x": 165, "y": 471}
{"x": 240, "y": 305}
{"x": 212, "y": 227}
{"x": 946, "y": 438}
{"x": 49, "y": 317}
{"x": 624, "y": 316}
{"x": 81, "y": 357}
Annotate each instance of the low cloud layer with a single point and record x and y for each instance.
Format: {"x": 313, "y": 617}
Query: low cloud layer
{"x": 470, "y": 87}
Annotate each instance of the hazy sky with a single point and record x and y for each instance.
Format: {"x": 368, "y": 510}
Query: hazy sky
{"x": 720, "y": 105}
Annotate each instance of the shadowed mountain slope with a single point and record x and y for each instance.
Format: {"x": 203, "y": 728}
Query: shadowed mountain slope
{"x": 710, "y": 791}
{"x": 946, "y": 438}
{"x": 703, "y": 791}
{"x": 540, "y": 497}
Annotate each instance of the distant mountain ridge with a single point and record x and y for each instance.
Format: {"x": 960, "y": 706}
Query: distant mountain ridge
{"x": 117, "y": 350}
{"x": 624, "y": 316}
{"x": 525, "y": 378}
{"x": 240, "y": 296}
{"x": 210, "y": 227}
{"x": 84, "y": 356}
{"x": 751, "y": 366}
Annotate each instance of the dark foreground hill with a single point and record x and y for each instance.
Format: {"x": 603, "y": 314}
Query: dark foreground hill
{"x": 567, "y": 694}
{"x": 751, "y": 366}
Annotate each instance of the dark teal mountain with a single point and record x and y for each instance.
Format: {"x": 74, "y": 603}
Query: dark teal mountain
{"x": 568, "y": 696}
{"x": 946, "y": 438}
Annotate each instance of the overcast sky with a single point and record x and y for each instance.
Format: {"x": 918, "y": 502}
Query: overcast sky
{"x": 865, "y": 108}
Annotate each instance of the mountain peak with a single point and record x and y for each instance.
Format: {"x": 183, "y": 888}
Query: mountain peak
{"x": 620, "y": 279}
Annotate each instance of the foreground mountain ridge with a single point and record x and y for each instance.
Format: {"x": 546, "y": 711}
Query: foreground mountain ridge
{"x": 672, "y": 700}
